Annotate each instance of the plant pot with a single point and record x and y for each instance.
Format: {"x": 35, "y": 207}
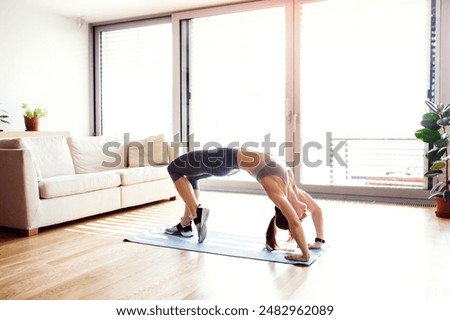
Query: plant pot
{"x": 442, "y": 208}
{"x": 31, "y": 124}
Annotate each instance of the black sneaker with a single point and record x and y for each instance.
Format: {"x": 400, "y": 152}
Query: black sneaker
{"x": 179, "y": 230}
{"x": 200, "y": 223}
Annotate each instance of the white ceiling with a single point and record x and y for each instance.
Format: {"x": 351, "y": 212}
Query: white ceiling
{"x": 107, "y": 10}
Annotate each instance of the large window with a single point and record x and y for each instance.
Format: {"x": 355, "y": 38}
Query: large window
{"x": 364, "y": 67}
{"x": 134, "y": 78}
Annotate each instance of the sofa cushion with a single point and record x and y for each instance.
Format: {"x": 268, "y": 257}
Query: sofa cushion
{"x": 143, "y": 174}
{"x": 52, "y": 155}
{"x": 94, "y": 154}
{"x": 77, "y": 183}
{"x": 18, "y": 143}
{"x": 150, "y": 151}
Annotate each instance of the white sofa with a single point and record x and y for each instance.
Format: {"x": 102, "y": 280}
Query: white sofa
{"x": 47, "y": 180}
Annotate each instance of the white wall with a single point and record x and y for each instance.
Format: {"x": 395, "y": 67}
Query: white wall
{"x": 44, "y": 62}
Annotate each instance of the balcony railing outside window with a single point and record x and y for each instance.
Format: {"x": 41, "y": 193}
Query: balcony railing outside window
{"x": 378, "y": 162}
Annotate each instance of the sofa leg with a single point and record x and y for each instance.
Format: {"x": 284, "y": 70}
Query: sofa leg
{"x": 173, "y": 198}
{"x": 20, "y": 232}
{"x": 29, "y": 233}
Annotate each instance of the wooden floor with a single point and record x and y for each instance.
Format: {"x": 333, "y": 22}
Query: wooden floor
{"x": 376, "y": 250}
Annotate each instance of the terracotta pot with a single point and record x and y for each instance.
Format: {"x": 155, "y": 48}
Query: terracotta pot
{"x": 32, "y": 124}
{"x": 442, "y": 208}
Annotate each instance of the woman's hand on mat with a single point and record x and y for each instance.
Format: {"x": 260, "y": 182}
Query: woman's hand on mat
{"x": 315, "y": 245}
{"x": 297, "y": 257}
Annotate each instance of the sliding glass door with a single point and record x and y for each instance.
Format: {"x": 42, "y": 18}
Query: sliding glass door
{"x": 237, "y": 80}
{"x": 364, "y": 70}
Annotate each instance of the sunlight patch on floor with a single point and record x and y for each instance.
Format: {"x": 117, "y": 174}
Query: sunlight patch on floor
{"x": 133, "y": 221}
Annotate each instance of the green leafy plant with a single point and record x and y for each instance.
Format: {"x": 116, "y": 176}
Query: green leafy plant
{"x": 32, "y": 113}
{"x": 436, "y": 133}
{"x": 4, "y": 116}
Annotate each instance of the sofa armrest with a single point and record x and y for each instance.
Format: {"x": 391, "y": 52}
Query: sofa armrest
{"x": 19, "y": 190}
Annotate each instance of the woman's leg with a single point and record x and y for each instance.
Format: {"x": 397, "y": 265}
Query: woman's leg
{"x": 189, "y": 196}
{"x": 187, "y": 211}
{"x": 188, "y": 189}
{"x": 182, "y": 171}
{"x": 185, "y": 172}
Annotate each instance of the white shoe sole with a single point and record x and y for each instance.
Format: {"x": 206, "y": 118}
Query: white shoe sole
{"x": 183, "y": 234}
{"x": 176, "y": 232}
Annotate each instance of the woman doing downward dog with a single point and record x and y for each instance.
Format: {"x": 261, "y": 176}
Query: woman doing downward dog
{"x": 291, "y": 203}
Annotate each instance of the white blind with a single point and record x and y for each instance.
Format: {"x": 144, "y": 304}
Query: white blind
{"x": 237, "y": 77}
{"x": 136, "y": 80}
{"x": 364, "y": 70}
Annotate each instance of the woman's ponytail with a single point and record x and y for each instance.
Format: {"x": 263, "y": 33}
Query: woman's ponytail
{"x": 271, "y": 233}
{"x": 278, "y": 221}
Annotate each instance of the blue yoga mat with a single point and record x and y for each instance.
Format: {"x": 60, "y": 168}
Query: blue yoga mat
{"x": 233, "y": 245}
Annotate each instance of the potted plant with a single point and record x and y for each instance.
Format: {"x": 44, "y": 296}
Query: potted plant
{"x": 32, "y": 117}
{"x": 435, "y": 132}
{"x": 4, "y": 117}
